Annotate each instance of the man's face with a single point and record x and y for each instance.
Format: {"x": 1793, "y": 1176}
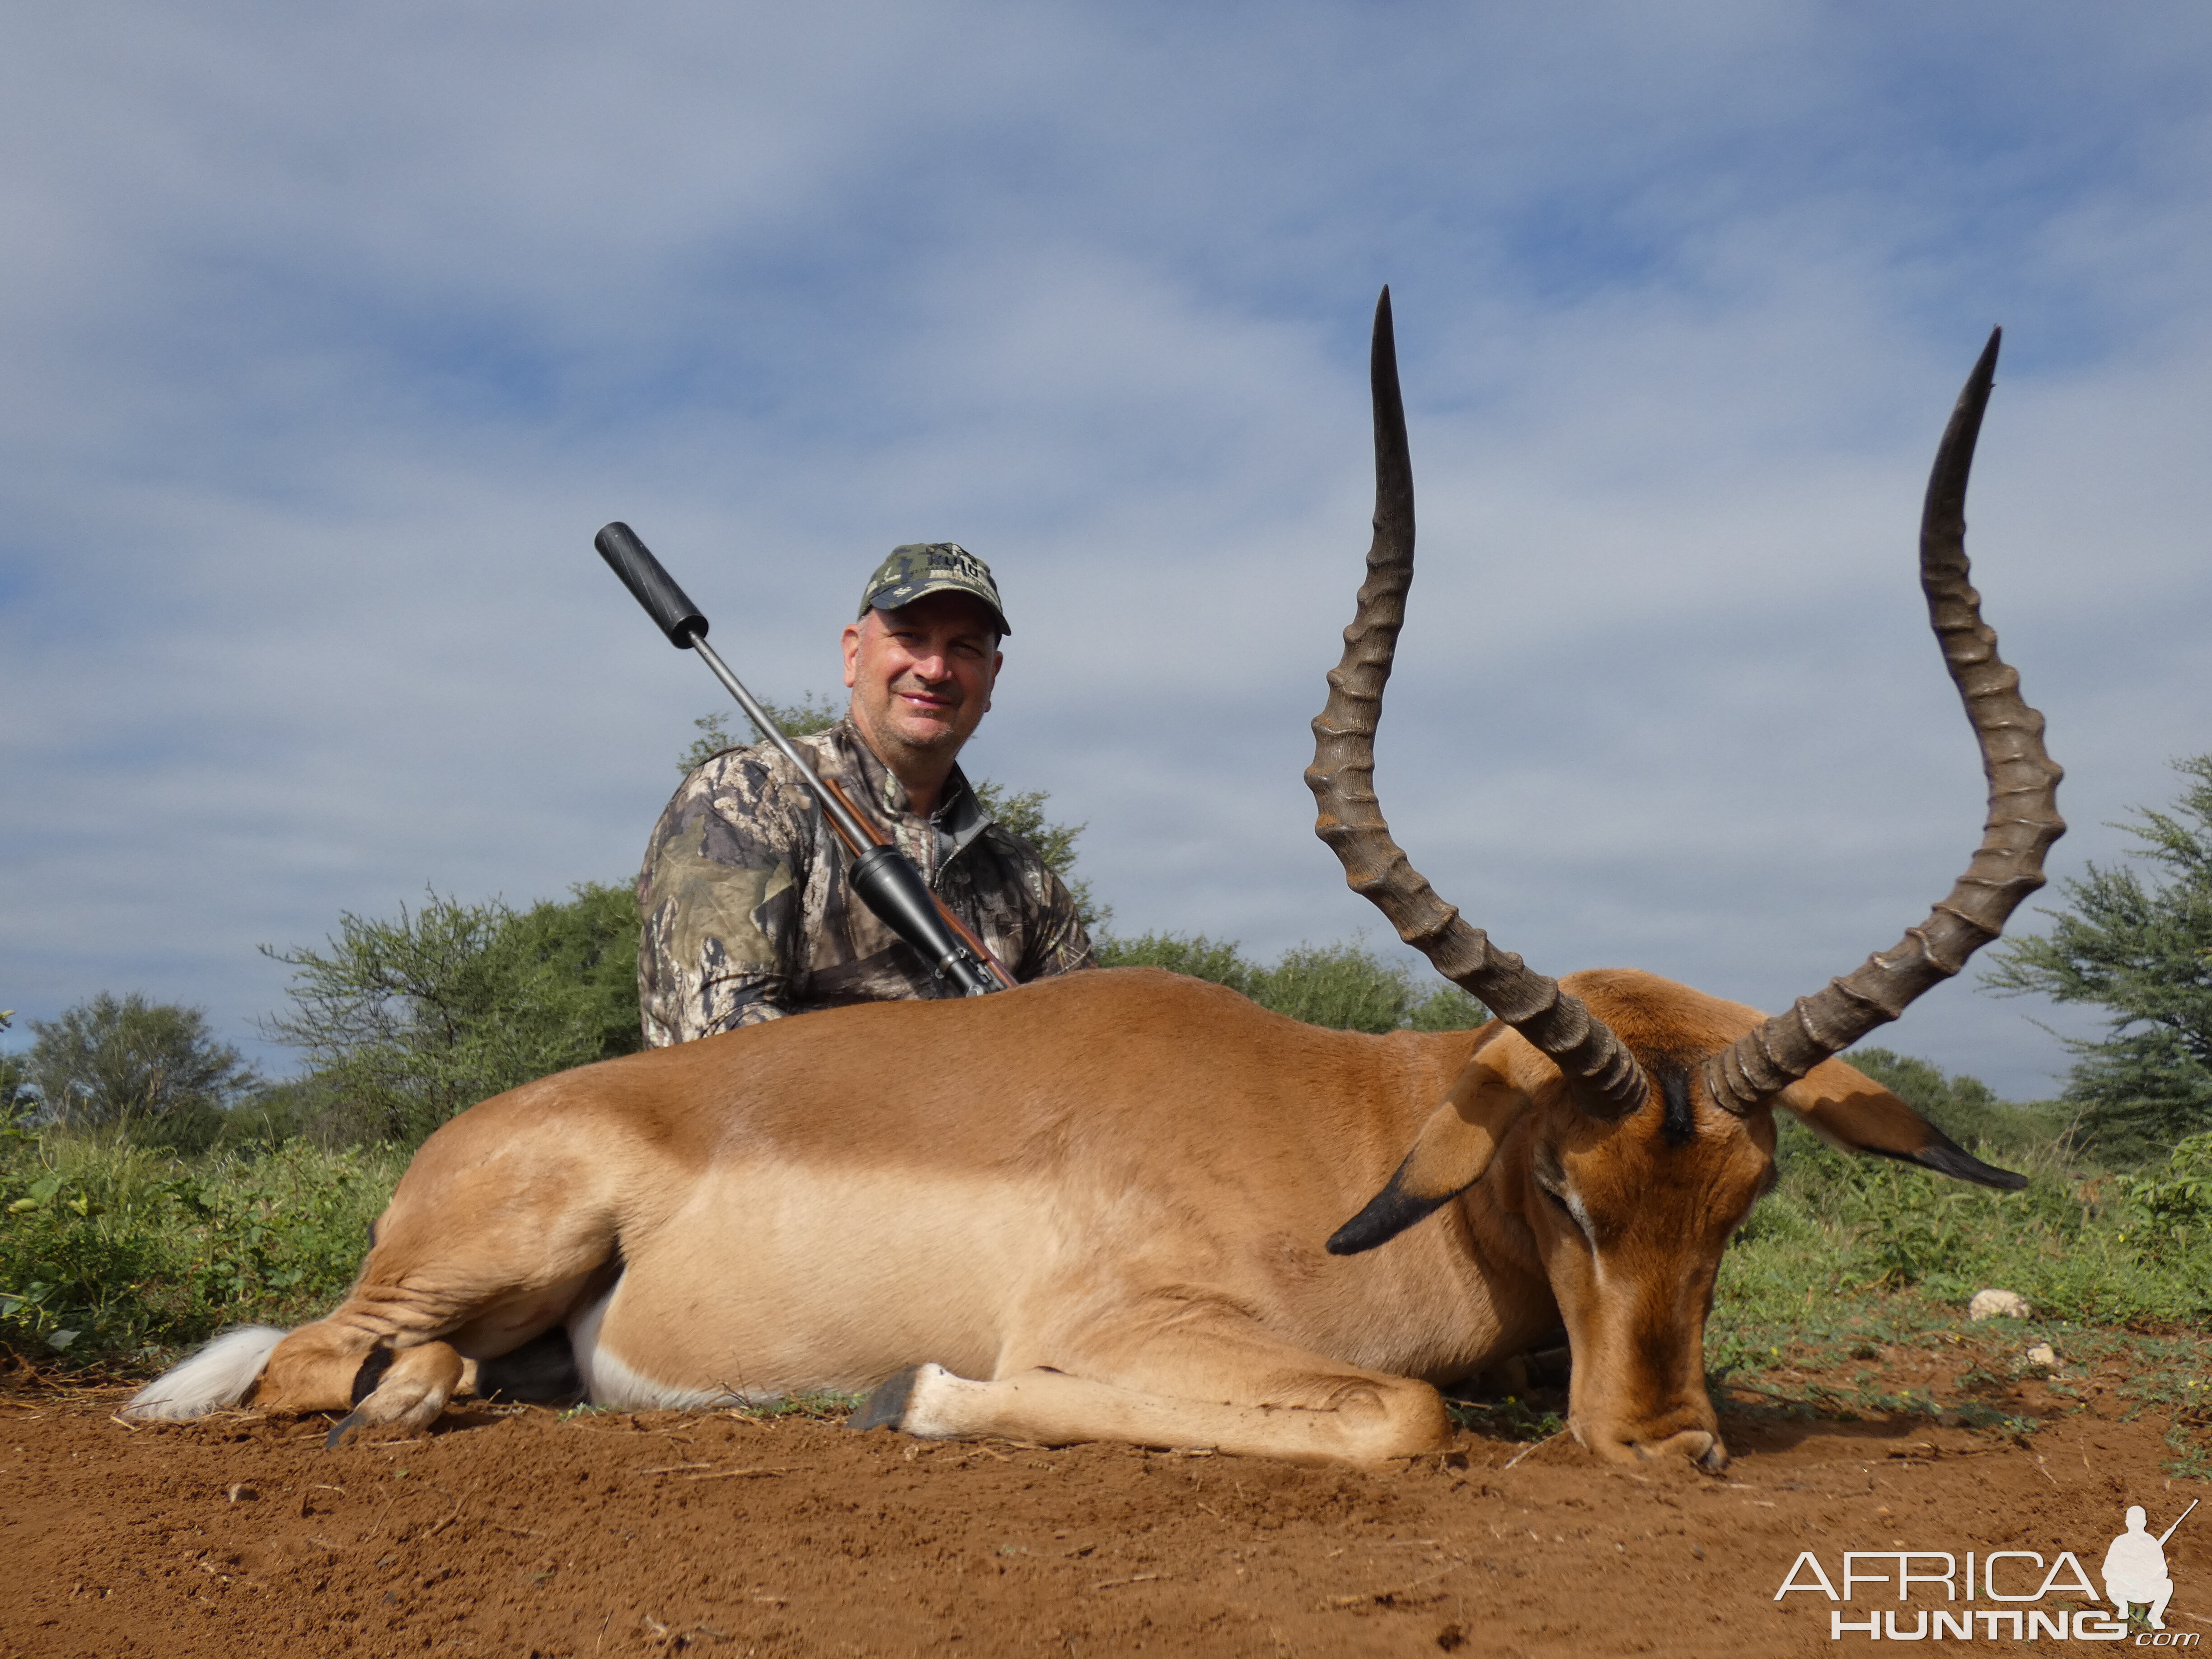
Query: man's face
{"x": 921, "y": 675}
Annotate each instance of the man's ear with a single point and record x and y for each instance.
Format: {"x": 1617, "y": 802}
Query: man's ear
{"x": 851, "y": 645}
{"x": 1449, "y": 1155}
{"x": 1848, "y": 1109}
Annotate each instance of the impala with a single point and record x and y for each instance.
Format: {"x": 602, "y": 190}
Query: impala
{"x": 1112, "y": 1205}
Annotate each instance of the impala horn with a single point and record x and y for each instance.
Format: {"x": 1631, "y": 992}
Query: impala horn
{"x": 1604, "y": 1075}
{"x": 2023, "y": 817}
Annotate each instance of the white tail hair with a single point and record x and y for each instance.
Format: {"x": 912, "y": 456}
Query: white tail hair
{"x": 218, "y": 1375}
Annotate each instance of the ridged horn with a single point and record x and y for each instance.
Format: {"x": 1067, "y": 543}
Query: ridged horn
{"x": 2023, "y": 817}
{"x": 1604, "y": 1075}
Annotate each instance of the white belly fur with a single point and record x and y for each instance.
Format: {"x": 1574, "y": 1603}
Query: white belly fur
{"x": 609, "y": 1381}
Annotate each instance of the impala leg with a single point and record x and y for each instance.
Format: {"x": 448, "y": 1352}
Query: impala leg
{"x": 434, "y": 1299}
{"x": 1230, "y": 1386}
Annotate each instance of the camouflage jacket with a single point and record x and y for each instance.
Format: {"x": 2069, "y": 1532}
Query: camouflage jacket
{"x": 747, "y": 916}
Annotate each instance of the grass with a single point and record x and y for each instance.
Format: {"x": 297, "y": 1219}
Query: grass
{"x": 1514, "y": 1416}
{"x": 819, "y": 1406}
{"x": 115, "y": 1257}
{"x": 2082, "y": 1248}
{"x": 1851, "y": 1260}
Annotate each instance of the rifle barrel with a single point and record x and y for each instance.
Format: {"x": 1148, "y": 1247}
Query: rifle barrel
{"x": 855, "y": 832}
{"x": 2177, "y": 1520}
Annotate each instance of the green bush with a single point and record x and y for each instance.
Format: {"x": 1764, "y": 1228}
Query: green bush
{"x": 2079, "y": 1245}
{"x": 2135, "y": 940}
{"x": 1337, "y": 985}
{"x": 2175, "y": 1198}
{"x": 109, "y": 1062}
{"x": 406, "y": 1022}
{"x": 1343, "y": 985}
{"x": 111, "y": 1252}
{"x": 1217, "y": 960}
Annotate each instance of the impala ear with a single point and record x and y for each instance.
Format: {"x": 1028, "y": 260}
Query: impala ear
{"x": 1448, "y": 1156}
{"x": 1847, "y": 1108}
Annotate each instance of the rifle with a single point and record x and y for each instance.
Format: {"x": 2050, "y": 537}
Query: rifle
{"x": 883, "y": 877}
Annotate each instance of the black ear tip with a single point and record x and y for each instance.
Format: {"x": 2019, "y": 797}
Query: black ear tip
{"x": 1377, "y": 1224}
{"x": 1945, "y": 1157}
{"x": 1358, "y": 1235}
{"x": 1387, "y": 1214}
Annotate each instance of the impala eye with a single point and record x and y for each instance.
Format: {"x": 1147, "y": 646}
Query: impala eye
{"x": 1564, "y": 1205}
{"x": 1551, "y": 1180}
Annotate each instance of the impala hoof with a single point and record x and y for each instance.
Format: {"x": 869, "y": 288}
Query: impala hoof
{"x": 348, "y": 1425}
{"x": 886, "y": 1407}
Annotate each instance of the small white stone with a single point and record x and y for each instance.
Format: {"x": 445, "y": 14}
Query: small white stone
{"x": 2045, "y": 1355}
{"x": 1998, "y": 1305}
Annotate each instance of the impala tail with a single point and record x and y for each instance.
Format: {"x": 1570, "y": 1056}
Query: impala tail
{"x": 219, "y": 1376}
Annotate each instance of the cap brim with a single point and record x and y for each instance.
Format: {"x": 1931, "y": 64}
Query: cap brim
{"x": 893, "y": 598}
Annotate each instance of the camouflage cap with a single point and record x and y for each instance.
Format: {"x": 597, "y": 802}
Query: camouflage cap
{"x": 921, "y": 568}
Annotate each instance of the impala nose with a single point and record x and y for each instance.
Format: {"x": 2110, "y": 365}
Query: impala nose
{"x": 1701, "y": 1447}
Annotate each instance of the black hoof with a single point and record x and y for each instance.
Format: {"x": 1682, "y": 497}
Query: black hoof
{"x": 886, "y": 1407}
{"x": 348, "y": 1426}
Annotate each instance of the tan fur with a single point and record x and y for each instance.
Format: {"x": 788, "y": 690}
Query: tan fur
{"x": 1098, "y": 1203}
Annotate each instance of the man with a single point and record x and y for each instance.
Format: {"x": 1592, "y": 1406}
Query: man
{"x": 747, "y": 916}
{"x": 2134, "y": 1570}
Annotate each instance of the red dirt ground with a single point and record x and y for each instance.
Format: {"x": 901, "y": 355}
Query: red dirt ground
{"x": 517, "y": 1533}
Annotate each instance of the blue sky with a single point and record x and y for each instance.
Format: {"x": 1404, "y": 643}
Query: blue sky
{"x": 332, "y": 336}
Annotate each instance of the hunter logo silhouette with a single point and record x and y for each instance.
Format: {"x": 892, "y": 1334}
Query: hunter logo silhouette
{"x": 2135, "y": 1567}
